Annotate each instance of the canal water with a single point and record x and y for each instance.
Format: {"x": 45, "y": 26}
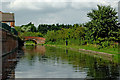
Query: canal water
{"x": 50, "y": 62}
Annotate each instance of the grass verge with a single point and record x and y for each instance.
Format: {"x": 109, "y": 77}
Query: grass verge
{"x": 109, "y": 50}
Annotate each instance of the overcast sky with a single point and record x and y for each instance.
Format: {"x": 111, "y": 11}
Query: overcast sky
{"x": 53, "y": 11}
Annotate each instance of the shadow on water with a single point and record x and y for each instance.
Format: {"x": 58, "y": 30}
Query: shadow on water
{"x": 9, "y": 63}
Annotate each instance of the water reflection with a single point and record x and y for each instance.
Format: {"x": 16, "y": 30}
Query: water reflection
{"x": 50, "y": 62}
{"x": 9, "y": 63}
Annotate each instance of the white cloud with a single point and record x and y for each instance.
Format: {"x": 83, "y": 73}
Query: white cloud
{"x": 54, "y": 11}
{"x": 36, "y": 5}
{"x": 50, "y": 19}
{"x": 58, "y": 5}
{"x": 22, "y": 5}
{"x": 59, "y": 0}
{"x": 83, "y": 5}
{"x": 92, "y": 4}
{"x": 37, "y": 0}
{"x": 43, "y": 4}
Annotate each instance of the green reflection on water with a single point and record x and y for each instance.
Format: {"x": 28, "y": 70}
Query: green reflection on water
{"x": 96, "y": 67}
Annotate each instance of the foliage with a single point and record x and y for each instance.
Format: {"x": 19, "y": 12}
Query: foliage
{"x": 9, "y": 28}
{"x": 43, "y": 28}
{"x": 72, "y": 35}
{"x": 50, "y": 36}
{"x": 13, "y": 30}
{"x": 28, "y": 28}
{"x": 79, "y": 32}
{"x": 29, "y": 43}
{"x": 103, "y": 24}
{"x": 35, "y": 34}
{"x": 102, "y": 29}
{"x": 6, "y": 27}
{"x": 18, "y": 28}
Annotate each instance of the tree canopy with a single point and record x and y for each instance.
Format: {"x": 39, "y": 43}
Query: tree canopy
{"x": 103, "y": 23}
{"x": 28, "y": 28}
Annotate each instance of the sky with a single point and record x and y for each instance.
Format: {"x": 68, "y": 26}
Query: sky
{"x": 52, "y": 11}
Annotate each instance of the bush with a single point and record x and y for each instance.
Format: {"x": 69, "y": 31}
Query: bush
{"x": 105, "y": 44}
{"x": 14, "y": 31}
{"x": 6, "y": 27}
{"x": 96, "y": 42}
{"x": 115, "y": 46}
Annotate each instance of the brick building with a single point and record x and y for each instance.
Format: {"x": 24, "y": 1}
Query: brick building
{"x": 7, "y": 18}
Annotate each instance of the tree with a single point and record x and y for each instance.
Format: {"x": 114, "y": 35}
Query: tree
{"x": 50, "y": 36}
{"x": 79, "y": 32}
{"x": 34, "y": 34}
{"x": 28, "y": 28}
{"x": 42, "y": 28}
{"x": 18, "y": 28}
{"x": 103, "y": 23}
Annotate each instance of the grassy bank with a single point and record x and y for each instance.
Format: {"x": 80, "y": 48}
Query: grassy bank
{"x": 92, "y": 47}
{"x": 29, "y": 43}
{"x": 108, "y": 53}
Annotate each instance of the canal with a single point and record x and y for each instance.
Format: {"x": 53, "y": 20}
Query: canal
{"x": 50, "y": 62}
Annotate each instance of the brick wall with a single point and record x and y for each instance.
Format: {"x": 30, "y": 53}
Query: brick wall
{"x": 39, "y": 40}
{"x": 9, "y": 42}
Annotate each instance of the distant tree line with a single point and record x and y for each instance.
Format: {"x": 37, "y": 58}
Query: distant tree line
{"x": 30, "y": 30}
{"x": 43, "y": 28}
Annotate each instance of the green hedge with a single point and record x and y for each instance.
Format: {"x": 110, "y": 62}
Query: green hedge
{"x": 6, "y": 27}
{"x": 14, "y": 31}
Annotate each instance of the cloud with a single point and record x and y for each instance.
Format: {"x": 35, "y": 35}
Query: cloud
{"x": 44, "y": 4}
{"x": 83, "y": 5}
{"x": 23, "y": 5}
{"x": 58, "y": 0}
{"x": 67, "y": 16}
{"x": 36, "y": 5}
{"x": 53, "y": 11}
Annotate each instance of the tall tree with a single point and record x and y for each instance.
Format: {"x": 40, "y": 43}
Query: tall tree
{"x": 103, "y": 23}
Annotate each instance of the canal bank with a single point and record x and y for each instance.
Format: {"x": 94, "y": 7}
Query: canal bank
{"x": 9, "y": 47}
{"x": 9, "y": 39}
{"x": 10, "y": 54}
{"x": 9, "y": 42}
{"x": 107, "y": 56}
